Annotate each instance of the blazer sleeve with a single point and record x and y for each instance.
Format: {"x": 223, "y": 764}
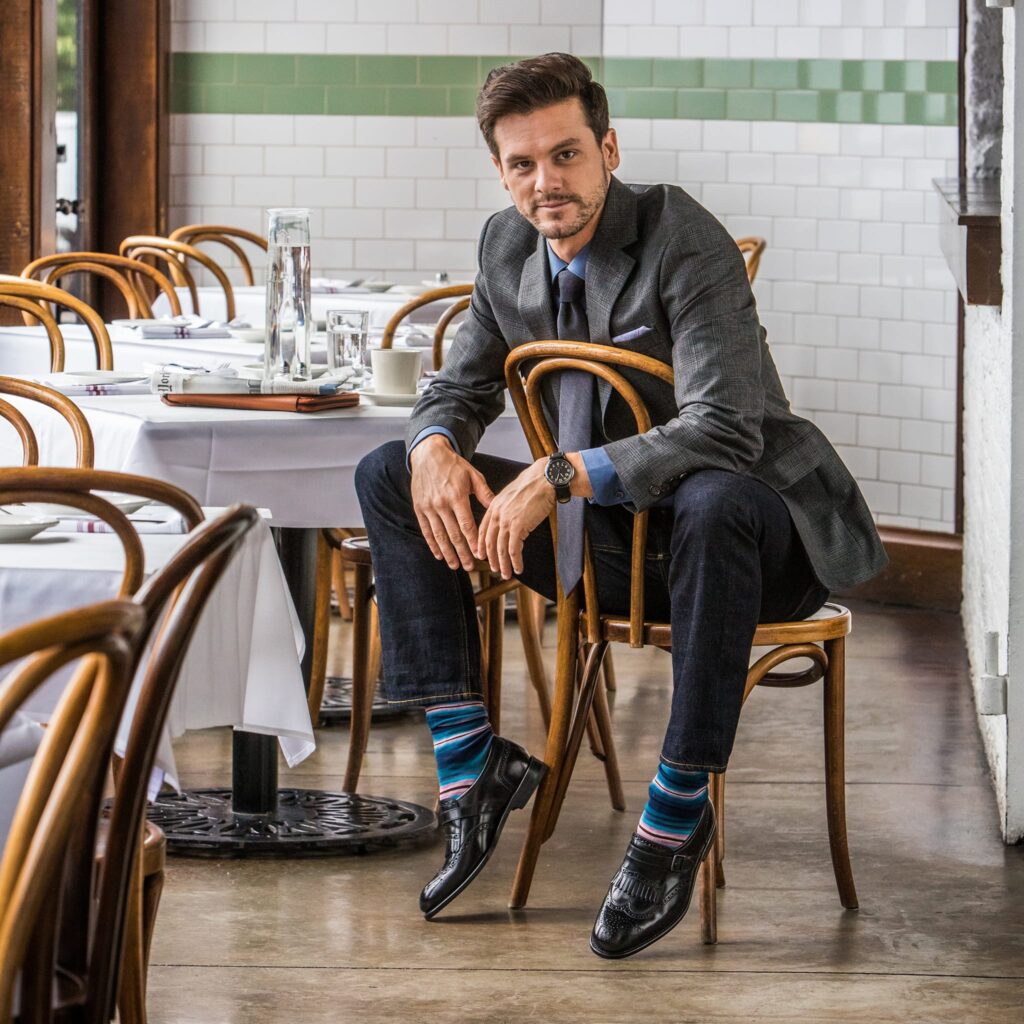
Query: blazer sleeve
{"x": 716, "y": 355}
{"x": 469, "y": 392}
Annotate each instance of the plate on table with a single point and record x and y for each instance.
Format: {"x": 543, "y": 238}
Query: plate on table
{"x": 139, "y": 322}
{"x": 124, "y": 503}
{"x": 16, "y": 527}
{"x": 98, "y": 377}
{"x": 382, "y": 398}
{"x": 377, "y": 286}
{"x": 255, "y": 335}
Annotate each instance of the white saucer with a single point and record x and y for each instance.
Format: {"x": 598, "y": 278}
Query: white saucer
{"x": 95, "y": 377}
{"x": 253, "y": 335}
{"x": 381, "y": 398}
{"x": 377, "y": 286}
{"x": 15, "y": 528}
{"x": 124, "y": 503}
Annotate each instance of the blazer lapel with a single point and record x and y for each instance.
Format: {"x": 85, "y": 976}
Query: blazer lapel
{"x": 536, "y": 309}
{"x": 608, "y": 268}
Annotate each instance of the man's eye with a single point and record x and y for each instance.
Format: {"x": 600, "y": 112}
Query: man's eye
{"x": 567, "y": 154}
{"x": 522, "y": 165}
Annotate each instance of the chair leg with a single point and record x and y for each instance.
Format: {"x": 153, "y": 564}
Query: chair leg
{"x": 835, "y": 770}
{"x": 494, "y": 631}
{"x": 581, "y": 717}
{"x": 362, "y": 680}
{"x": 131, "y": 993}
{"x": 532, "y": 649}
{"x": 718, "y": 798}
{"x": 339, "y": 583}
{"x": 603, "y": 720}
{"x": 152, "y": 889}
{"x": 321, "y": 629}
{"x": 554, "y": 757}
{"x": 709, "y": 899}
{"x": 608, "y": 670}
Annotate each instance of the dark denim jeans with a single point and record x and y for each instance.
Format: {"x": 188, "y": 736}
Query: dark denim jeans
{"x": 725, "y": 557}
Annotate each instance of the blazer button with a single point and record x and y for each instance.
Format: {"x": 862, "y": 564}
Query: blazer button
{"x": 654, "y": 489}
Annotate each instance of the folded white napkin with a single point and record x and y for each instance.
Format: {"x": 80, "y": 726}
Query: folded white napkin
{"x": 184, "y": 327}
{"x": 227, "y": 381}
{"x": 149, "y": 519}
{"x": 134, "y": 387}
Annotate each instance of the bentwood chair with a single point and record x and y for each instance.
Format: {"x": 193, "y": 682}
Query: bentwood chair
{"x": 820, "y": 638}
{"x": 75, "y": 487}
{"x": 489, "y": 598}
{"x": 123, "y": 273}
{"x": 49, "y": 966}
{"x": 221, "y": 234}
{"x": 176, "y": 257}
{"x": 752, "y": 247}
{"x": 32, "y": 299}
{"x": 61, "y": 404}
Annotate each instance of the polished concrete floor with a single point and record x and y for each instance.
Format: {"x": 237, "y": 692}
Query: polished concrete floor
{"x": 939, "y": 935}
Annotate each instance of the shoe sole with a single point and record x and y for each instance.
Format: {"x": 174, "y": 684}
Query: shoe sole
{"x": 532, "y": 778}
{"x": 664, "y": 931}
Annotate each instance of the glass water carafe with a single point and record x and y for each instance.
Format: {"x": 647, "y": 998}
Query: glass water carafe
{"x": 289, "y": 327}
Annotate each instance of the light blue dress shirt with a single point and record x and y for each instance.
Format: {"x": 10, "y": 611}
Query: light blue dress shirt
{"x": 604, "y": 481}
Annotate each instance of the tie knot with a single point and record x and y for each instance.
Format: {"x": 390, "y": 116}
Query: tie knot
{"x": 570, "y": 287}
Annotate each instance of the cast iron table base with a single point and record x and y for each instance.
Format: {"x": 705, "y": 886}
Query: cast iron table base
{"x": 336, "y": 707}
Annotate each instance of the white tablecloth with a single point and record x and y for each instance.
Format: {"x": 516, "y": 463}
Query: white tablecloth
{"x": 301, "y": 467}
{"x": 243, "y": 666}
{"x": 251, "y": 305}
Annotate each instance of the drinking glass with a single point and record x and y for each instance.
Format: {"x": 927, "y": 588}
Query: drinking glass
{"x": 347, "y": 332}
{"x": 286, "y": 350}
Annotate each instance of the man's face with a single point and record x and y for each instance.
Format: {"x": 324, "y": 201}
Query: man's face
{"x": 554, "y": 169}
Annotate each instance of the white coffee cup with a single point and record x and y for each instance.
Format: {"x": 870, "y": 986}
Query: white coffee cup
{"x": 396, "y": 371}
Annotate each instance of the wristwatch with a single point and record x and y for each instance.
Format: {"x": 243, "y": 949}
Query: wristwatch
{"x": 559, "y": 473}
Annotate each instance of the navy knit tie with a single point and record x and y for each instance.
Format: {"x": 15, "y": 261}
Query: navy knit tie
{"x": 575, "y": 409}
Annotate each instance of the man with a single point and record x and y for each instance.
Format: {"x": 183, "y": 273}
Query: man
{"x": 754, "y": 517}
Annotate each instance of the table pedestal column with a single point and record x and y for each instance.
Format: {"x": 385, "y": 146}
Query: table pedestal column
{"x": 254, "y": 816}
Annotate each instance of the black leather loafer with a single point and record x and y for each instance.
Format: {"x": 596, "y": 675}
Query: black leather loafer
{"x": 651, "y": 892}
{"x": 473, "y": 823}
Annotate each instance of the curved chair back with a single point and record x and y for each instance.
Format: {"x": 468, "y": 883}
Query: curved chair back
{"x": 452, "y": 291}
{"x": 221, "y": 234}
{"x": 125, "y": 274}
{"x": 192, "y": 573}
{"x": 32, "y": 297}
{"x": 75, "y": 487}
{"x": 47, "y": 859}
{"x": 442, "y": 325}
{"x": 752, "y": 247}
{"x": 176, "y": 256}
{"x": 61, "y": 404}
{"x": 604, "y": 361}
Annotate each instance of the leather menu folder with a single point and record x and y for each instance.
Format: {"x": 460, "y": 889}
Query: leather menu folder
{"x": 268, "y": 403}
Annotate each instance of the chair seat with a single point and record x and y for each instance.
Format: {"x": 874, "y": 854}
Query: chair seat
{"x": 154, "y": 847}
{"x": 356, "y": 550}
{"x": 829, "y": 622}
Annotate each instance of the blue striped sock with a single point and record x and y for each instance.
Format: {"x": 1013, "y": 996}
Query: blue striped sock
{"x": 675, "y": 799}
{"x": 462, "y": 739}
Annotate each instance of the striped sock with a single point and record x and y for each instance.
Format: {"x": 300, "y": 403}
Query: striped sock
{"x": 462, "y": 739}
{"x": 675, "y": 800}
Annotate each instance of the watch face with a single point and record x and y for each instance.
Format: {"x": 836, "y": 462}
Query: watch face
{"x": 559, "y": 472}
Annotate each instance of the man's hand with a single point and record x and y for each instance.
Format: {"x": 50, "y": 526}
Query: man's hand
{"x": 517, "y": 511}
{"x": 442, "y": 482}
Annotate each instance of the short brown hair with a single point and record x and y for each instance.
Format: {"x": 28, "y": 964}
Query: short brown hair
{"x": 539, "y": 82}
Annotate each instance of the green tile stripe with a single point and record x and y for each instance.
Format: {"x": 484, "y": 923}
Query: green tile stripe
{"x": 854, "y": 91}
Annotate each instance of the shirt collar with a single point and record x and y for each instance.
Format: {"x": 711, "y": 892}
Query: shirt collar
{"x": 578, "y": 264}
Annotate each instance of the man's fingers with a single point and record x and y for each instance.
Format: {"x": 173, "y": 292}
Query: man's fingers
{"x": 467, "y": 524}
{"x": 448, "y": 552}
{"x": 516, "y": 552}
{"x": 428, "y": 534}
{"x": 491, "y": 543}
{"x": 504, "y": 557}
{"x": 458, "y": 540}
{"x": 480, "y": 548}
{"x": 483, "y": 493}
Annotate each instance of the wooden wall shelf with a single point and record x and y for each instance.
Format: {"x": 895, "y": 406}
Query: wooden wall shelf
{"x": 970, "y": 237}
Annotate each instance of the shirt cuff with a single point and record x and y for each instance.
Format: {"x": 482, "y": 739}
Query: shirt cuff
{"x": 604, "y": 480}
{"x": 426, "y": 432}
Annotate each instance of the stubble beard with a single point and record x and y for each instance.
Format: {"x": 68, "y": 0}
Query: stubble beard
{"x": 588, "y": 207}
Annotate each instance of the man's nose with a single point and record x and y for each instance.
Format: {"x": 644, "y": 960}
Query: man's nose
{"x": 548, "y": 178}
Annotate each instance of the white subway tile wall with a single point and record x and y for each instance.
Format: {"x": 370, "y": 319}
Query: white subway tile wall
{"x": 858, "y": 303}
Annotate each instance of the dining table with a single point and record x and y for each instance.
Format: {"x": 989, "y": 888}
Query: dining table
{"x": 301, "y": 468}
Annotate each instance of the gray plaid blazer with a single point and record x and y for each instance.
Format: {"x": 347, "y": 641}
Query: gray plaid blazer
{"x": 665, "y": 279}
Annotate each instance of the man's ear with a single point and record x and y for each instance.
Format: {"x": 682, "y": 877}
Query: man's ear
{"x": 610, "y": 149}
{"x": 501, "y": 173}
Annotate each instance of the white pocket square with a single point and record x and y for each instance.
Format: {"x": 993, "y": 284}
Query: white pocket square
{"x": 639, "y": 332}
